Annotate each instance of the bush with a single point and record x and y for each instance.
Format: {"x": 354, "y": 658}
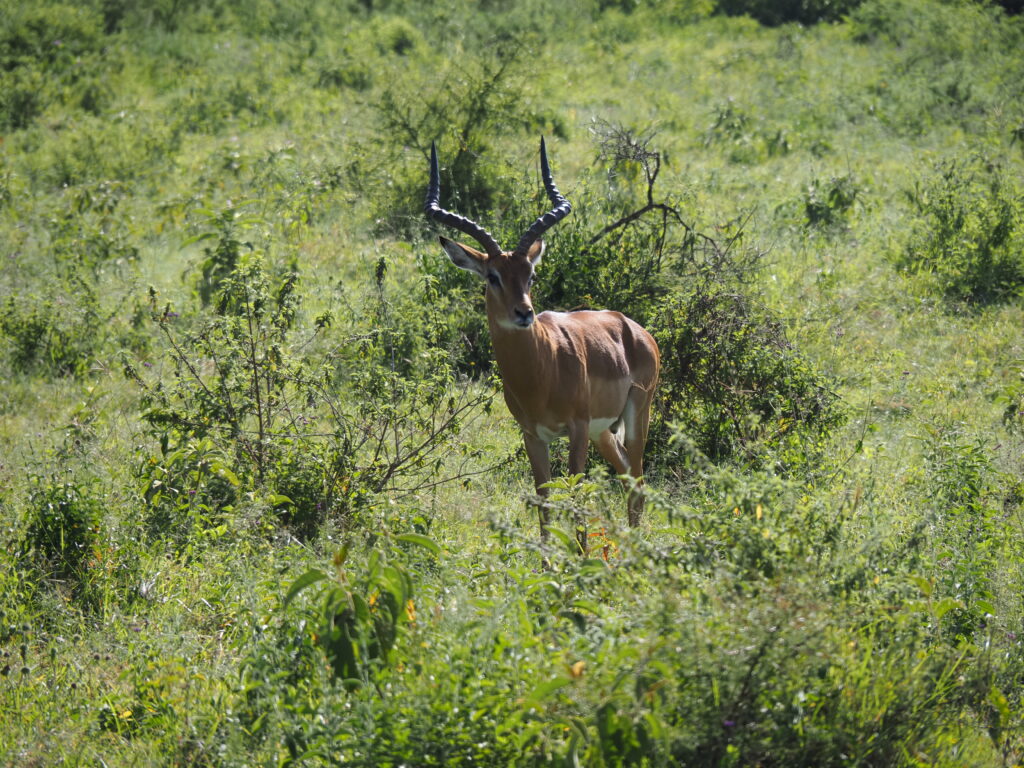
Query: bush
{"x": 245, "y": 409}
{"x": 772, "y": 13}
{"x": 62, "y": 528}
{"x": 732, "y": 651}
{"x": 59, "y": 337}
{"x": 734, "y": 384}
{"x": 959, "y": 477}
{"x": 966, "y": 241}
{"x": 826, "y": 203}
{"x": 49, "y": 36}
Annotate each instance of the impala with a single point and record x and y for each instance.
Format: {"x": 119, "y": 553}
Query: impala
{"x": 585, "y": 375}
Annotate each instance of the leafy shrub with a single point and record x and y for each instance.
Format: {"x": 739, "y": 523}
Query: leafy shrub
{"x": 47, "y": 35}
{"x": 222, "y": 257}
{"x": 188, "y": 489}
{"x": 348, "y": 72}
{"x": 725, "y": 656}
{"x": 827, "y": 203}
{"x": 959, "y": 474}
{"x": 89, "y": 236}
{"x": 58, "y": 336}
{"x": 62, "y": 527}
{"x": 246, "y": 410}
{"x": 1012, "y": 398}
{"x": 732, "y": 381}
{"x": 966, "y": 240}
{"x": 362, "y": 620}
{"x": 21, "y": 97}
{"x": 772, "y": 13}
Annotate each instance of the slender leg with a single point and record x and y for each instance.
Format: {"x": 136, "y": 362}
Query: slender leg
{"x": 540, "y": 464}
{"x": 638, "y": 412}
{"x": 578, "y": 444}
{"x": 613, "y": 451}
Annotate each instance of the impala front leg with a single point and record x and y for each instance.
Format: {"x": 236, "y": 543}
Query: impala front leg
{"x": 540, "y": 464}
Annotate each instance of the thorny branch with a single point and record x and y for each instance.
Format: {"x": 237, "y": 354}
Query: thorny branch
{"x": 621, "y": 145}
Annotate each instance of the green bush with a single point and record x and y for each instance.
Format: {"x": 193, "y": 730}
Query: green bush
{"x": 966, "y": 240}
{"x": 826, "y": 203}
{"x": 49, "y": 36}
{"x": 773, "y": 12}
{"x": 721, "y": 658}
{"x": 62, "y": 528}
{"x": 246, "y": 409}
{"x": 189, "y": 489}
{"x": 22, "y": 97}
{"x": 58, "y": 336}
{"x": 734, "y": 384}
{"x": 959, "y": 478}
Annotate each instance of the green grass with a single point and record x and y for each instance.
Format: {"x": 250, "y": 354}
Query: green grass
{"x": 838, "y": 587}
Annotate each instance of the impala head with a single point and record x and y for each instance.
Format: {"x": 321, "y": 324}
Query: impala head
{"x": 508, "y": 274}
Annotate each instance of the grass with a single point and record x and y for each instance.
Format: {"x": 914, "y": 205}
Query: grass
{"x": 842, "y": 595}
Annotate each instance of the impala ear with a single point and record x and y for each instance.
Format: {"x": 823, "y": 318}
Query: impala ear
{"x": 533, "y": 255}
{"x": 464, "y": 257}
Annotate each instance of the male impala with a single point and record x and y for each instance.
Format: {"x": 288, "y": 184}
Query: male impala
{"x": 585, "y": 375}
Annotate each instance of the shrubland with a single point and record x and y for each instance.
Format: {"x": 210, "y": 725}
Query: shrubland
{"x": 260, "y": 501}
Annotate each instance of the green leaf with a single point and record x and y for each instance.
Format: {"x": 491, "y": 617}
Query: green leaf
{"x": 945, "y": 605}
{"x": 562, "y": 536}
{"x": 923, "y": 584}
{"x": 309, "y": 577}
{"x": 420, "y": 540}
{"x": 548, "y": 687}
{"x": 590, "y": 606}
{"x": 228, "y": 475}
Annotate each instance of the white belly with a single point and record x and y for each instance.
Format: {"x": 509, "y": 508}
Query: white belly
{"x": 597, "y": 426}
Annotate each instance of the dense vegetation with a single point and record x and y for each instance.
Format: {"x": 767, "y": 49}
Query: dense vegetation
{"x": 260, "y": 503}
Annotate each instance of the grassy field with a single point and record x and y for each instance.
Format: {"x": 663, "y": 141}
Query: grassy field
{"x": 261, "y": 502}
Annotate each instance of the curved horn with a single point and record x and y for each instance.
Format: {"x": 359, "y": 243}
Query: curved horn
{"x": 552, "y": 217}
{"x": 432, "y": 207}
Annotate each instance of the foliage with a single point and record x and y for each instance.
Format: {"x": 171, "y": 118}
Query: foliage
{"x": 959, "y": 472}
{"x": 245, "y": 409}
{"x": 361, "y": 622}
{"x": 1012, "y": 398}
{"x": 828, "y": 570}
{"x": 735, "y": 384}
{"x": 827, "y": 203}
{"x": 674, "y": 679}
{"x": 62, "y": 528}
{"x": 56, "y": 335}
{"x": 799, "y": 11}
{"x": 966, "y": 239}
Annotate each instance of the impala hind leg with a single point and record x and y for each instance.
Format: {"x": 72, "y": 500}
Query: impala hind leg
{"x": 615, "y": 453}
{"x": 540, "y": 464}
{"x": 637, "y": 420}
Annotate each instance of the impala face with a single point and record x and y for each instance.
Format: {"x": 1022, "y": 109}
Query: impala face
{"x": 509, "y": 277}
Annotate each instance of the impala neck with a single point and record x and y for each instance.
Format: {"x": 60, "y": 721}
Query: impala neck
{"x": 516, "y": 350}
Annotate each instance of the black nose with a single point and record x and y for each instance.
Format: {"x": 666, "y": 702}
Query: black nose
{"x": 524, "y": 317}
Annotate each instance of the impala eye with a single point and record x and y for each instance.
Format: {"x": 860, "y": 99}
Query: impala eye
{"x": 494, "y": 280}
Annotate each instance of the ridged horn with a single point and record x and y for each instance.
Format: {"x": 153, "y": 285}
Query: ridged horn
{"x": 552, "y": 217}
{"x": 432, "y": 207}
